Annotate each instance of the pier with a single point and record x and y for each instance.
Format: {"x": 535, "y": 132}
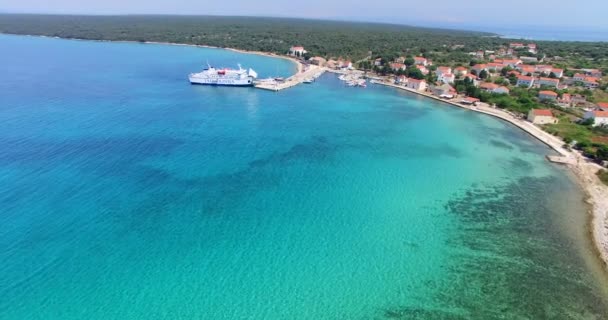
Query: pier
{"x": 311, "y": 72}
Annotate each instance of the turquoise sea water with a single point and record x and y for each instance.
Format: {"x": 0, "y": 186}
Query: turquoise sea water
{"x": 126, "y": 193}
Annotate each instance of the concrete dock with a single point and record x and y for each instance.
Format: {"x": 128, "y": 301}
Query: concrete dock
{"x": 311, "y": 72}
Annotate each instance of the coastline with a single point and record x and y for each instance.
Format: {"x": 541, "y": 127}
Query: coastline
{"x": 584, "y": 171}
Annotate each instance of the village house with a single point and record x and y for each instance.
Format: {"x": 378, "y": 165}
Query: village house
{"x": 422, "y": 69}
{"x": 541, "y": 116}
{"x": 473, "y": 79}
{"x": 400, "y": 60}
{"x": 526, "y": 69}
{"x": 421, "y": 61}
{"x": 565, "y": 100}
{"x": 401, "y": 80}
{"x": 532, "y": 48}
{"x": 547, "y": 95}
{"x": 502, "y": 90}
{"x": 297, "y": 51}
{"x": 511, "y": 62}
{"x": 398, "y": 66}
{"x": 494, "y": 88}
{"x": 528, "y": 59}
{"x": 494, "y": 67}
{"x": 461, "y": 71}
{"x": 558, "y": 72}
{"x": 544, "y": 69}
{"x": 444, "y": 91}
{"x": 549, "y": 82}
{"x": 517, "y": 45}
{"x": 479, "y": 67}
{"x": 443, "y": 70}
{"x": 600, "y": 118}
{"x": 579, "y": 77}
{"x": 591, "y": 82}
{"x": 488, "y": 86}
{"x": 345, "y": 64}
{"x": 447, "y": 78}
{"x": 593, "y": 73}
{"x": 525, "y": 81}
{"x": 378, "y": 62}
{"x": 578, "y": 99}
{"x": 415, "y": 84}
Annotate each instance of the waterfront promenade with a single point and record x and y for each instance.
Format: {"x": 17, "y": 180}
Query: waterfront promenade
{"x": 310, "y": 72}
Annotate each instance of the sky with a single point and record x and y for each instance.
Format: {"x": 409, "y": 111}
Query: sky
{"x": 438, "y": 13}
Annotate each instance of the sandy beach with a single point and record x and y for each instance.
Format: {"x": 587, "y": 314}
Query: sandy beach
{"x": 584, "y": 170}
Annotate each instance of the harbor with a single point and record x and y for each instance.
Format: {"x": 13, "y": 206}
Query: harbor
{"x": 307, "y": 75}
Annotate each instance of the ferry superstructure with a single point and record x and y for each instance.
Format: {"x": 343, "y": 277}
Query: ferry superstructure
{"x": 224, "y": 77}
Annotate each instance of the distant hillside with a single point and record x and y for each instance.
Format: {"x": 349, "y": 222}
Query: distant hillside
{"x": 325, "y": 38}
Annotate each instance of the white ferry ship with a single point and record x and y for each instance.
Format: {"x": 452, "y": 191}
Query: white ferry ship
{"x": 224, "y": 77}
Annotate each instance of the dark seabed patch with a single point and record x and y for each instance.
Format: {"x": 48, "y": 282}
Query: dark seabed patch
{"x": 509, "y": 261}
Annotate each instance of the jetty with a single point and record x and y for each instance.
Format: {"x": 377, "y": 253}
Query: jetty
{"x": 309, "y": 73}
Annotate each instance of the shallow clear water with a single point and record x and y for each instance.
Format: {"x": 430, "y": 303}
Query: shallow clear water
{"x": 126, "y": 193}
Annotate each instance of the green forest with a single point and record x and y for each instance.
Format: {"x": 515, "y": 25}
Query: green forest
{"x": 324, "y": 38}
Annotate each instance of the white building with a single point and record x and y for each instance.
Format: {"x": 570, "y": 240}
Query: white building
{"x": 525, "y": 81}
{"x": 600, "y": 118}
{"x": 549, "y": 82}
{"x": 421, "y": 61}
{"x": 297, "y": 51}
{"x": 541, "y": 116}
{"x": 419, "y": 85}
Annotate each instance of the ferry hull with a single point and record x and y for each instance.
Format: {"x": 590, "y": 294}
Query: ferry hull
{"x": 222, "y": 82}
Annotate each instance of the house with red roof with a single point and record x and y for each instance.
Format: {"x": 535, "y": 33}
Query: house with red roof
{"x": 494, "y": 88}
{"x": 443, "y": 70}
{"x": 525, "y": 81}
{"x": 558, "y": 72}
{"x": 415, "y": 84}
{"x": 591, "y": 82}
{"x": 493, "y": 66}
{"x": 549, "y": 82}
{"x": 526, "y": 69}
{"x": 297, "y": 51}
{"x": 541, "y": 68}
{"x": 479, "y": 67}
{"x": 511, "y": 62}
{"x": 565, "y": 100}
{"x": 422, "y": 69}
{"x": 473, "y": 79}
{"x": 421, "y": 61}
{"x": 461, "y": 71}
{"x": 541, "y": 116}
{"x": 579, "y": 77}
{"x": 447, "y": 78}
{"x": 397, "y": 66}
{"x": 600, "y": 118}
{"x": 488, "y": 86}
{"x": 547, "y": 95}
{"x": 602, "y": 106}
